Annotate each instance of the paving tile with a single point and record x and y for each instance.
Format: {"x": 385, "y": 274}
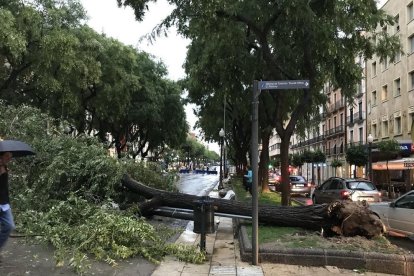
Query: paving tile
{"x": 195, "y": 269}
{"x": 250, "y": 271}
{"x": 223, "y": 270}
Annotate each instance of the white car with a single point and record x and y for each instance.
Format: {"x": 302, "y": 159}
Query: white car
{"x": 398, "y": 215}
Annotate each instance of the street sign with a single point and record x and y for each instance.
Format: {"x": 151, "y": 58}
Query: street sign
{"x": 408, "y": 164}
{"x": 284, "y": 84}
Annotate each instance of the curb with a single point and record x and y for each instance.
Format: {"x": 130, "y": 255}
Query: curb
{"x": 375, "y": 262}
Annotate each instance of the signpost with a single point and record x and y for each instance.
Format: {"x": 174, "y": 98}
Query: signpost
{"x": 258, "y": 86}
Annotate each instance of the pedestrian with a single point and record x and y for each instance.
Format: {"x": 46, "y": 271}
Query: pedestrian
{"x": 6, "y": 217}
{"x": 248, "y": 180}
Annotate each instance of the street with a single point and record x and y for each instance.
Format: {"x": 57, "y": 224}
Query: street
{"x": 197, "y": 184}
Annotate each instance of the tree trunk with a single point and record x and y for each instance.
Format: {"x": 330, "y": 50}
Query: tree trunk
{"x": 284, "y": 167}
{"x": 348, "y": 218}
{"x": 264, "y": 162}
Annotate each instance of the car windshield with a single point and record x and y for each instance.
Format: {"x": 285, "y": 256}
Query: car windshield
{"x": 360, "y": 186}
{"x": 296, "y": 178}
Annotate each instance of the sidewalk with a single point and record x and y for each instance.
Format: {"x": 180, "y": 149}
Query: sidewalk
{"x": 224, "y": 259}
{"x": 222, "y": 252}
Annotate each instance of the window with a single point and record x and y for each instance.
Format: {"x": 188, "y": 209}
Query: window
{"x": 384, "y": 93}
{"x": 397, "y": 57}
{"x": 374, "y": 69}
{"x": 384, "y": 64}
{"x": 397, "y": 87}
{"x": 411, "y": 80}
{"x": 410, "y": 12}
{"x": 361, "y": 134}
{"x": 351, "y": 136}
{"x": 397, "y": 125}
{"x": 374, "y": 97}
{"x": 335, "y": 185}
{"x": 374, "y": 130}
{"x": 410, "y": 122}
{"x": 360, "y": 185}
{"x": 384, "y": 129}
{"x": 406, "y": 202}
{"x": 397, "y": 23}
{"x": 411, "y": 44}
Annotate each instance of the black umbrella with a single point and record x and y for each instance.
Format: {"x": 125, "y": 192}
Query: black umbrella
{"x": 17, "y": 148}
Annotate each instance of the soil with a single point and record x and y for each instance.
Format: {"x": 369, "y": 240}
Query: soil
{"x": 305, "y": 239}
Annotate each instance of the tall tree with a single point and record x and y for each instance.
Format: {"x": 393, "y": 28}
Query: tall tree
{"x": 317, "y": 40}
{"x": 357, "y": 155}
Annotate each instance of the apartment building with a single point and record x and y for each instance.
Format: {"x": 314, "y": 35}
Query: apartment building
{"x": 383, "y": 105}
{"x": 390, "y": 84}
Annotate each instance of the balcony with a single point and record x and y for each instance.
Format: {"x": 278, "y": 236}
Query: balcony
{"x": 355, "y": 118}
{"x": 311, "y": 141}
{"x": 335, "y": 106}
{"x": 334, "y": 131}
{"x": 352, "y": 144}
{"x": 334, "y": 150}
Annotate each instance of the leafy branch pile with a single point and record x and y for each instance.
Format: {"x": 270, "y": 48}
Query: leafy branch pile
{"x": 77, "y": 228}
{"x": 69, "y": 195}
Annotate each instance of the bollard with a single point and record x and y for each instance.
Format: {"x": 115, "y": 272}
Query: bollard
{"x": 203, "y": 219}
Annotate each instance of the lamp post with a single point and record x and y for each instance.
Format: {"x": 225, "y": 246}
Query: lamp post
{"x": 370, "y": 139}
{"x": 221, "y": 134}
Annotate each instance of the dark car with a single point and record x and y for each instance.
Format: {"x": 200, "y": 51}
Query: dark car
{"x": 337, "y": 188}
{"x": 299, "y": 185}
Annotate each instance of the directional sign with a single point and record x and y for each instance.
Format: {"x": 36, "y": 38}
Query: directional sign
{"x": 284, "y": 84}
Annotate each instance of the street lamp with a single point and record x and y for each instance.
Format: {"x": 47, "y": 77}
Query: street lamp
{"x": 221, "y": 134}
{"x": 370, "y": 139}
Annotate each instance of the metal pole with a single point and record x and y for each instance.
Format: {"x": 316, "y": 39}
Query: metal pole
{"x": 203, "y": 228}
{"x": 224, "y": 138}
{"x": 221, "y": 165}
{"x": 224, "y": 159}
{"x": 255, "y": 160}
{"x": 370, "y": 161}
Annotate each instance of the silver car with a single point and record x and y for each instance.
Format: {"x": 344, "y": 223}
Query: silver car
{"x": 398, "y": 215}
{"x": 337, "y": 188}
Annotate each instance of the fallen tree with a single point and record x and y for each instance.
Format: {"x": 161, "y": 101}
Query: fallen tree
{"x": 343, "y": 218}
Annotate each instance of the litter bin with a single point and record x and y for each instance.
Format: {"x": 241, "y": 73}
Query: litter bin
{"x": 204, "y": 216}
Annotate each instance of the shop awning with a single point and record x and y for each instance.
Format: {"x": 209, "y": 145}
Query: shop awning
{"x": 399, "y": 164}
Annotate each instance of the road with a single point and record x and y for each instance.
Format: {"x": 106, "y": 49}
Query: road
{"x": 197, "y": 184}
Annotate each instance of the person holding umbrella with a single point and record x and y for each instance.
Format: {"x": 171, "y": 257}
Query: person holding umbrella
{"x": 8, "y": 150}
{"x": 6, "y": 217}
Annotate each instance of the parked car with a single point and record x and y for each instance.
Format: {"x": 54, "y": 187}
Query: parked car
{"x": 299, "y": 185}
{"x": 274, "y": 178}
{"x": 398, "y": 215}
{"x": 337, "y": 188}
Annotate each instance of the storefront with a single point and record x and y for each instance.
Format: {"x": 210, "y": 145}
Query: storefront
{"x": 396, "y": 176}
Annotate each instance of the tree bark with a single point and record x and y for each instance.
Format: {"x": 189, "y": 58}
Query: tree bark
{"x": 342, "y": 218}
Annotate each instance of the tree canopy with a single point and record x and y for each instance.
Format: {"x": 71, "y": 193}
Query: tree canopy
{"x": 236, "y": 42}
{"x": 53, "y": 61}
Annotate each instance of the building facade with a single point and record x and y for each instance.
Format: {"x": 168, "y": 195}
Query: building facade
{"x": 390, "y": 83}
